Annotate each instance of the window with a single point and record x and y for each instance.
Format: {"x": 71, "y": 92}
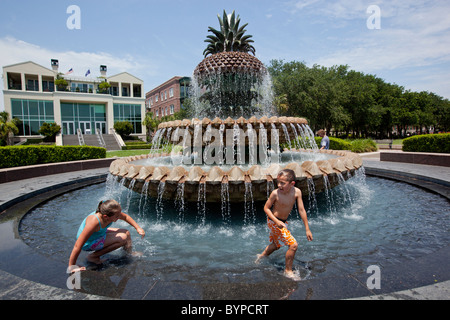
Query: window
{"x": 32, "y": 113}
{"x": 130, "y": 113}
{"x": 82, "y": 115}
{"x": 115, "y": 91}
{"x": 165, "y": 95}
{"x": 172, "y": 109}
{"x": 81, "y": 87}
{"x": 170, "y": 92}
{"x": 32, "y": 85}
{"x": 156, "y": 98}
{"x": 48, "y": 86}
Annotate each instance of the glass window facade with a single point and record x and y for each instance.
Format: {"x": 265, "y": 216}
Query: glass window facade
{"x": 32, "y": 113}
{"x": 80, "y": 113}
{"x": 131, "y": 113}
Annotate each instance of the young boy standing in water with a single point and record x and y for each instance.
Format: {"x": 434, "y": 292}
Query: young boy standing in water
{"x": 277, "y": 208}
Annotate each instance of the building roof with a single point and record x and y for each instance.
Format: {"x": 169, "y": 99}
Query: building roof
{"x": 122, "y": 75}
{"x": 158, "y": 88}
{"x": 12, "y": 66}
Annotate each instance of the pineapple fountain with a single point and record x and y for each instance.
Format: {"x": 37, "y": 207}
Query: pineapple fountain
{"x": 231, "y": 151}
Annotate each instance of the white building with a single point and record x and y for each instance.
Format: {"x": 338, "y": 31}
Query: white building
{"x": 32, "y": 95}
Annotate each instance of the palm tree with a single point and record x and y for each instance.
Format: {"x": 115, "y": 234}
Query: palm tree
{"x": 7, "y": 128}
{"x": 230, "y": 37}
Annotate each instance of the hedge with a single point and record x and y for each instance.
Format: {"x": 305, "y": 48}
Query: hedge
{"x": 439, "y": 143}
{"x": 136, "y": 145}
{"x": 363, "y": 145}
{"x": 335, "y": 143}
{"x": 30, "y": 155}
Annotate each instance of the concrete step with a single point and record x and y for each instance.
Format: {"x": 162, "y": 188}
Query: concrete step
{"x": 92, "y": 140}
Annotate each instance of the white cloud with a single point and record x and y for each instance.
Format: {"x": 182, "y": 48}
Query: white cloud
{"x": 300, "y": 5}
{"x": 15, "y": 51}
{"x": 418, "y": 37}
{"x": 413, "y": 36}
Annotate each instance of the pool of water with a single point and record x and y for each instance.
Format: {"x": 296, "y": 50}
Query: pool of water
{"x": 362, "y": 222}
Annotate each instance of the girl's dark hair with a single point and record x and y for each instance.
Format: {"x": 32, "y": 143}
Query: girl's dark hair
{"x": 288, "y": 173}
{"x": 108, "y": 207}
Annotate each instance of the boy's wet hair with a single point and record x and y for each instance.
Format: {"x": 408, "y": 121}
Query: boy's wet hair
{"x": 108, "y": 207}
{"x": 288, "y": 173}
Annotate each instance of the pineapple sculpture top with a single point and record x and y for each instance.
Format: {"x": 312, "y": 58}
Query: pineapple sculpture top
{"x": 230, "y": 37}
{"x": 230, "y": 77}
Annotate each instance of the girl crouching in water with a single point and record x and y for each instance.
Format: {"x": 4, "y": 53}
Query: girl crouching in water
{"x": 95, "y": 234}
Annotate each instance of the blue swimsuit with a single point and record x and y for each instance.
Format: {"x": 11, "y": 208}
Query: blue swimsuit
{"x": 97, "y": 239}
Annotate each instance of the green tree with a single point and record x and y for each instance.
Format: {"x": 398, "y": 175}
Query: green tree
{"x": 361, "y": 104}
{"x": 124, "y": 128}
{"x": 49, "y": 131}
{"x": 329, "y": 93}
{"x": 441, "y": 112}
{"x": 7, "y": 128}
{"x": 353, "y": 102}
{"x": 103, "y": 87}
{"x": 61, "y": 83}
{"x": 151, "y": 123}
{"x": 388, "y": 98}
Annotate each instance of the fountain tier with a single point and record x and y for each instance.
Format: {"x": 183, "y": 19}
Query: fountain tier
{"x": 188, "y": 181}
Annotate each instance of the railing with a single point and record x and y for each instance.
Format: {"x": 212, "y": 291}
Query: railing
{"x": 117, "y": 137}
{"x": 101, "y": 141}
{"x": 15, "y": 86}
{"x": 80, "y": 137}
{"x": 32, "y": 87}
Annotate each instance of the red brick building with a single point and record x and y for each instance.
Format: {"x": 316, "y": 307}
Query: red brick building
{"x": 168, "y": 98}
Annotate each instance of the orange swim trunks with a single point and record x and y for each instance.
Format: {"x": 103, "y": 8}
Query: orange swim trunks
{"x": 277, "y": 235}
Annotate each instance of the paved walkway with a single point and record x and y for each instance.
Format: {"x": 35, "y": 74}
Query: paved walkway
{"x": 13, "y": 287}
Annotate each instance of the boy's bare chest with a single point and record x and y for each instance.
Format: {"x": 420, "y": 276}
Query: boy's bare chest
{"x": 284, "y": 203}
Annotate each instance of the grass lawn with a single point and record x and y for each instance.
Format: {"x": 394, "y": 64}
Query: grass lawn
{"x": 126, "y": 153}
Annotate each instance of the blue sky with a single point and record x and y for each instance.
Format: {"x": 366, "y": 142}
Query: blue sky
{"x": 156, "y": 40}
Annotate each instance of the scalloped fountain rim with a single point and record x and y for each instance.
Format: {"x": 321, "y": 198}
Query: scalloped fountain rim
{"x": 324, "y": 173}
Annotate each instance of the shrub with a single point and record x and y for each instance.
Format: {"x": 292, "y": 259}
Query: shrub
{"x": 363, "y": 145}
{"x": 31, "y": 155}
{"x": 49, "y": 131}
{"x": 124, "y": 128}
{"x": 336, "y": 143}
{"x": 439, "y": 143}
{"x": 134, "y": 145}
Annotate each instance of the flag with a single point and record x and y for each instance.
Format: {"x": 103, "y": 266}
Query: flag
{"x": 70, "y": 71}
{"x": 88, "y": 72}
